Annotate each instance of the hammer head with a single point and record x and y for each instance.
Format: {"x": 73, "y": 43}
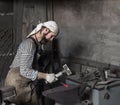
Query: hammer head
{"x": 66, "y": 69}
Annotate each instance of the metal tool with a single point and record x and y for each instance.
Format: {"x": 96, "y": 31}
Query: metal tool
{"x": 66, "y": 70}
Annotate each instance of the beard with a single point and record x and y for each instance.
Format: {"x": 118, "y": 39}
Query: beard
{"x": 44, "y": 40}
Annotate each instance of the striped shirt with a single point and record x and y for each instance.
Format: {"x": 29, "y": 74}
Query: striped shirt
{"x": 24, "y": 59}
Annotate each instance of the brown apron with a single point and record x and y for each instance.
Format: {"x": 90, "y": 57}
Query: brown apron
{"x": 24, "y": 88}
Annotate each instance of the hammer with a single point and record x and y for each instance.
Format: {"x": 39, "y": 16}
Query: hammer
{"x": 65, "y": 70}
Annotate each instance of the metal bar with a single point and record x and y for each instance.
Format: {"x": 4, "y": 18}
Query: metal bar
{"x": 88, "y": 62}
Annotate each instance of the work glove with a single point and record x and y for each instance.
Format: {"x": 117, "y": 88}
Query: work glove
{"x": 50, "y": 78}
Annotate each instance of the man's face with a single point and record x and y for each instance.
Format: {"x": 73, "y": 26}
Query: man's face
{"x": 47, "y": 36}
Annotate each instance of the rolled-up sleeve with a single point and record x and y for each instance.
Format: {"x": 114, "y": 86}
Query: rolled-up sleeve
{"x": 26, "y": 59}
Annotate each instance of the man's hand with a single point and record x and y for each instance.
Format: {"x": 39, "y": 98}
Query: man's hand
{"x": 50, "y": 78}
